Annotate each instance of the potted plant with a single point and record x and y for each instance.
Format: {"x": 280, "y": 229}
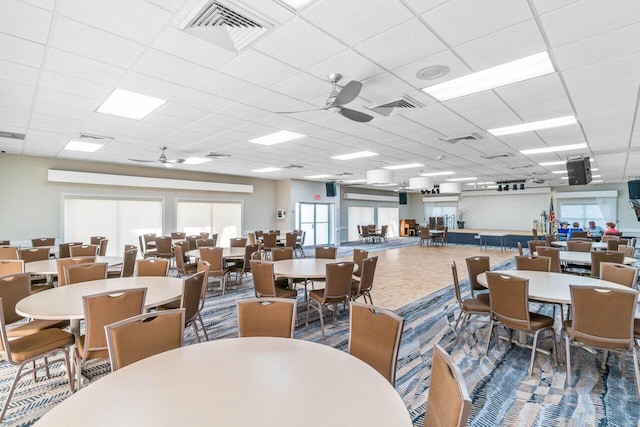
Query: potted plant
{"x": 460, "y": 218}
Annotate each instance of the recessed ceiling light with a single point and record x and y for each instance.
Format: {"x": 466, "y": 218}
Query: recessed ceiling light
{"x": 267, "y": 170}
{"x": 597, "y": 181}
{"x": 437, "y": 173}
{"x": 277, "y": 137}
{"x": 356, "y": 155}
{"x": 491, "y": 78}
{"x": 560, "y": 162}
{"x": 130, "y": 104}
{"x": 407, "y": 166}
{"x": 480, "y": 183}
{"x": 462, "y": 179}
{"x": 554, "y": 149}
{"x": 354, "y": 181}
{"x": 432, "y": 72}
{"x": 196, "y": 160}
{"x": 596, "y": 176}
{"x": 317, "y": 176}
{"x": 527, "y": 127}
{"x": 86, "y": 147}
{"x": 296, "y": 4}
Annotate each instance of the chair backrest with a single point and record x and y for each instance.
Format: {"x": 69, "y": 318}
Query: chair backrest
{"x": 205, "y": 243}
{"x": 95, "y": 240}
{"x": 619, "y": 273}
{"x": 509, "y": 299}
{"x": 43, "y": 241}
{"x": 266, "y": 317}
{"x": 13, "y": 288}
{"x": 130, "y": 247}
{"x": 534, "y": 232}
{"x": 191, "y": 295}
{"x": 238, "y": 242}
{"x": 291, "y": 239}
{"x": 144, "y": 335}
{"x": 604, "y": 256}
{"x": 178, "y": 235}
{"x": 102, "y": 250}
{"x": 61, "y": 263}
{"x": 213, "y": 255}
{"x": 425, "y": 232}
{"x": 192, "y": 241}
{"x": 449, "y": 402}
{"x": 214, "y": 237}
{"x": 152, "y": 267}
{"x": 607, "y": 237}
{"x": 263, "y": 280}
{"x": 579, "y": 234}
{"x": 628, "y": 251}
{"x": 456, "y": 283}
{"x": 83, "y": 250}
{"x": 106, "y": 308}
{"x": 149, "y": 238}
{"x": 251, "y": 238}
{"x": 249, "y": 250}
{"x": 9, "y": 252}
{"x": 63, "y": 249}
{"x": 77, "y": 273}
{"x": 368, "y": 268}
{"x": 520, "y": 252}
{"x": 33, "y": 254}
{"x": 603, "y": 317}
{"x": 533, "y": 263}
{"x": 550, "y": 238}
{"x": 374, "y": 337}
{"x": 359, "y": 255}
{"x": 179, "y": 255}
{"x": 11, "y": 266}
{"x": 338, "y": 285}
{"x": 270, "y": 240}
{"x": 554, "y": 254}
{"x": 163, "y": 245}
{"x": 533, "y": 244}
{"x": 5, "y": 242}
{"x": 326, "y": 252}
{"x": 579, "y": 245}
{"x": 477, "y": 265}
{"x": 256, "y": 256}
{"x": 259, "y": 233}
{"x": 279, "y": 254}
{"x": 613, "y": 244}
{"x": 204, "y": 235}
{"x": 184, "y": 245}
{"x": 129, "y": 263}
{"x": 276, "y": 232}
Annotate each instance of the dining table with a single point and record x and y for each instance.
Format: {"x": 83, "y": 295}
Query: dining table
{"x": 237, "y": 382}
{"x": 236, "y": 252}
{"x": 594, "y": 245}
{"x": 49, "y": 267}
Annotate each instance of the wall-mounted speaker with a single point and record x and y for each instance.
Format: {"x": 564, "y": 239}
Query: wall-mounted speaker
{"x": 402, "y": 198}
{"x": 634, "y": 189}
{"x": 579, "y": 171}
{"x": 331, "y": 189}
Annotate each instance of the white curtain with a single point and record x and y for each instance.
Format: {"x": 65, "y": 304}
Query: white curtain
{"x": 608, "y": 208}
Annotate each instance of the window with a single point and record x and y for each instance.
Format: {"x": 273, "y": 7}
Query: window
{"x": 581, "y": 212}
{"x": 223, "y": 219}
{"x": 389, "y": 216}
{"x": 359, "y": 215}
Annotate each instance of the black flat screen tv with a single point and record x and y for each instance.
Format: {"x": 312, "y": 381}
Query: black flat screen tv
{"x": 402, "y": 197}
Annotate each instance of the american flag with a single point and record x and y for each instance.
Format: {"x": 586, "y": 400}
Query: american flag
{"x": 552, "y": 217}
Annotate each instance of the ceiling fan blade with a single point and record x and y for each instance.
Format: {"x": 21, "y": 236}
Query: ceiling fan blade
{"x": 142, "y": 161}
{"x": 355, "y": 115}
{"x": 301, "y": 111}
{"x": 348, "y": 93}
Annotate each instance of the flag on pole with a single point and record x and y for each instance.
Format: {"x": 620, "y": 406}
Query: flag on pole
{"x": 552, "y": 218}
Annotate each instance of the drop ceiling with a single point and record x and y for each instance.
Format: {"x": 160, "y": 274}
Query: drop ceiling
{"x": 60, "y": 59}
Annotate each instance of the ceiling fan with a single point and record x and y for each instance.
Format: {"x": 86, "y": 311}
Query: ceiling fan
{"x": 162, "y": 159}
{"x": 338, "y": 98}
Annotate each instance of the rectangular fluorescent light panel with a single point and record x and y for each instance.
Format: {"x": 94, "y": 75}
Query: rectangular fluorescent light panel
{"x": 560, "y": 162}
{"x": 85, "y": 147}
{"x": 437, "y": 173}
{"x": 554, "y": 149}
{"x": 196, "y": 160}
{"x": 267, "y": 170}
{"x": 317, "y": 176}
{"x": 491, "y": 78}
{"x": 130, "y": 104}
{"x": 355, "y": 181}
{"x": 277, "y": 138}
{"x": 357, "y": 155}
{"x": 462, "y": 179}
{"x": 527, "y": 127}
{"x": 407, "y": 166}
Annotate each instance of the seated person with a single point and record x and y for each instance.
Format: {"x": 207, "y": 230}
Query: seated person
{"x": 611, "y": 229}
{"x": 575, "y": 227}
{"x": 594, "y": 230}
{"x": 563, "y": 231}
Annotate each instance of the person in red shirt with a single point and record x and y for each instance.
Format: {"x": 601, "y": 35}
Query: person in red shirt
{"x": 611, "y": 229}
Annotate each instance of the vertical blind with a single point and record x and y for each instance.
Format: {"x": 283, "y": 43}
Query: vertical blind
{"x": 223, "y": 219}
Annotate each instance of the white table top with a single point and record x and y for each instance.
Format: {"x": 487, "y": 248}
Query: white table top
{"x": 65, "y": 302}
{"x": 594, "y": 245}
{"x": 552, "y": 287}
{"x": 226, "y": 252}
{"x": 50, "y": 266}
{"x": 436, "y": 231}
{"x": 585, "y": 257}
{"x": 302, "y": 268}
{"x": 253, "y": 381}
{"x": 490, "y": 234}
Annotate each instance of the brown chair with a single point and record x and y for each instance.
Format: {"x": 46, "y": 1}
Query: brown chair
{"x": 283, "y": 253}
{"x": 164, "y": 248}
{"x": 83, "y": 250}
{"x": 612, "y": 244}
{"x": 130, "y": 247}
{"x": 478, "y": 265}
{"x": 193, "y": 292}
{"x": 619, "y": 273}
{"x": 100, "y": 310}
{"x": 269, "y": 242}
{"x": 204, "y": 235}
{"x": 95, "y": 240}
{"x": 192, "y": 241}
{"x": 533, "y": 263}
{"x": 448, "y": 402}
{"x": 359, "y": 255}
{"x": 520, "y": 251}
{"x": 266, "y": 317}
{"x": 252, "y": 238}
{"x": 366, "y": 234}
{"x": 362, "y": 287}
{"x": 178, "y": 235}
{"x": 550, "y": 238}
{"x": 44, "y": 241}
{"x": 468, "y": 306}
{"x": 579, "y": 245}
{"x": 337, "y": 290}
{"x": 61, "y": 263}
{"x": 144, "y": 335}
{"x": 241, "y": 267}
{"x": 554, "y": 254}
{"x": 300, "y": 243}
{"x": 291, "y": 239}
{"x": 217, "y": 268}
{"x": 440, "y": 237}
{"x": 425, "y": 236}
{"x": 149, "y": 241}
{"x": 33, "y": 254}
{"x": 510, "y": 307}
{"x": 205, "y": 243}
{"x": 264, "y": 282}
{"x": 63, "y": 249}
{"x": 604, "y": 256}
{"x": 11, "y": 266}
{"x": 23, "y": 351}
{"x": 326, "y": 252}
{"x": 607, "y": 237}
{"x": 628, "y": 251}
{"x": 128, "y": 263}
{"x": 5, "y": 242}
{"x": 102, "y": 249}
{"x": 580, "y": 234}
{"x": 152, "y": 267}
{"x": 238, "y": 242}
{"x": 9, "y": 252}
{"x": 184, "y": 268}
{"x": 78, "y": 273}
{"x": 374, "y": 337}
{"x": 533, "y": 245}
{"x": 602, "y": 318}
{"x": 534, "y": 232}
{"x": 145, "y": 250}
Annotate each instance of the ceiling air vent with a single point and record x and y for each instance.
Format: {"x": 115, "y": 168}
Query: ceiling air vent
{"x": 470, "y": 137}
{"x": 216, "y": 156}
{"x": 12, "y": 135}
{"x": 292, "y": 166}
{"x": 97, "y": 139}
{"x": 497, "y": 156}
{"x": 395, "y": 106}
{"x": 228, "y": 25}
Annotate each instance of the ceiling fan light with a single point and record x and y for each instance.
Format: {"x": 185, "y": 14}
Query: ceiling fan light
{"x": 450, "y": 188}
{"x": 380, "y": 176}
{"x": 421, "y": 183}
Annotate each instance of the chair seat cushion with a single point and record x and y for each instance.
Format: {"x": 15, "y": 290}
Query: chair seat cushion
{"x": 484, "y": 298}
{"x": 36, "y": 326}
{"x": 540, "y": 321}
{"x": 475, "y": 305}
{"x": 39, "y": 343}
{"x": 636, "y": 327}
{"x": 286, "y": 293}
{"x": 170, "y": 305}
{"x": 318, "y": 295}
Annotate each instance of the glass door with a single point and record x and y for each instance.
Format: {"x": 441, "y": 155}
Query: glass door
{"x": 316, "y": 220}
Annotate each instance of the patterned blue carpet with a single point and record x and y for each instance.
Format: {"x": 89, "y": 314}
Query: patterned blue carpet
{"x": 502, "y": 392}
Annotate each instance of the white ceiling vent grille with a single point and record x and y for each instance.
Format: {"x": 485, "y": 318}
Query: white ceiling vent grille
{"x": 500, "y": 156}
{"x": 216, "y": 155}
{"x": 395, "y": 106}
{"x": 292, "y": 166}
{"x": 455, "y": 139}
{"x": 96, "y": 139}
{"x": 227, "y": 25}
{"x": 12, "y": 135}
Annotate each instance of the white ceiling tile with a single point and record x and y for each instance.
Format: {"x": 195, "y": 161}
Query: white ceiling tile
{"x": 182, "y": 111}
{"x": 60, "y": 110}
{"x": 420, "y": 6}
{"x": 202, "y": 100}
{"x": 229, "y": 87}
{"x": 402, "y": 44}
{"x": 269, "y": 9}
{"x": 350, "y": 64}
{"x": 281, "y": 121}
{"x": 181, "y": 44}
{"x": 151, "y": 86}
{"x": 13, "y": 18}
{"x": 371, "y": 17}
{"x": 305, "y": 88}
{"x": 20, "y": 73}
{"x": 484, "y": 109}
{"x": 72, "y": 85}
{"x": 170, "y": 68}
{"x": 457, "y": 68}
{"x": 384, "y": 87}
{"x": 459, "y": 21}
{"x": 244, "y": 112}
{"x": 226, "y": 122}
{"x": 170, "y": 5}
{"x": 272, "y": 101}
{"x": 43, "y": 4}
{"x": 21, "y": 51}
{"x": 258, "y": 68}
{"x": 545, "y": 6}
{"x": 300, "y": 44}
{"x": 15, "y": 89}
{"x": 83, "y": 68}
{"x": 135, "y": 20}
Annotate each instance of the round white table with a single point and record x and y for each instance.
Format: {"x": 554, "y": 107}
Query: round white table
{"x": 226, "y": 253}
{"x": 585, "y": 258}
{"x": 552, "y": 287}
{"x": 594, "y": 245}
{"x": 302, "y": 268}
{"x": 65, "y": 302}
{"x": 238, "y": 382}
{"x": 50, "y": 266}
